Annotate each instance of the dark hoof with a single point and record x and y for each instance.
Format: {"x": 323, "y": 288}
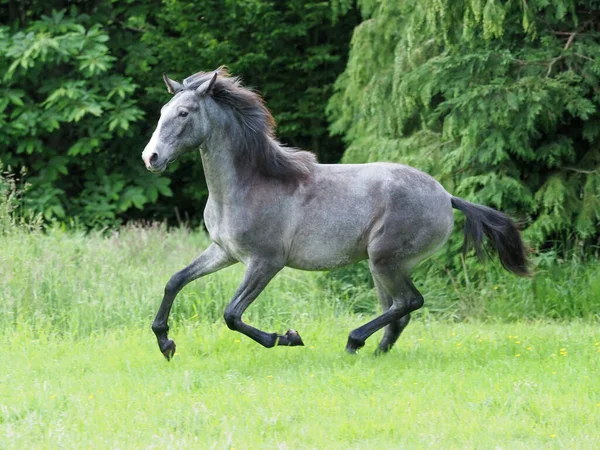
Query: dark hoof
{"x": 168, "y": 350}
{"x": 353, "y": 345}
{"x": 291, "y": 339}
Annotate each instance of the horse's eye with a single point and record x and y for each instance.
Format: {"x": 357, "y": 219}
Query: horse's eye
{"x": 183, "y": 113}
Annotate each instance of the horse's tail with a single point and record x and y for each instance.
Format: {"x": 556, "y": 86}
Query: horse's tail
{"x": 500, "y": 230}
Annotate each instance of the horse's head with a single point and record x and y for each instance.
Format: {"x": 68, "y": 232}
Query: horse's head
{"x": 183, "y": 124}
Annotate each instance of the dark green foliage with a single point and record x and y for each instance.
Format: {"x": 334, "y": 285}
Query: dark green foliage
{"x": 498, "y": 100}
{"x": 82, "y": 90}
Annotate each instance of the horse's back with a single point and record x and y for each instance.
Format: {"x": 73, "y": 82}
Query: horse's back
{"x": 346, "y": 212}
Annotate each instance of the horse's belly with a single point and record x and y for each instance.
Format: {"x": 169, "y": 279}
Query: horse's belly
{"x": 326, "y": 252}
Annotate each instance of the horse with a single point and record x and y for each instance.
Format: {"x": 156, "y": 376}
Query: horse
{"x": 271, "y": 206}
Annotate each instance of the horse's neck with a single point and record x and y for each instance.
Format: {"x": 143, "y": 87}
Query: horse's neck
{"x": 222, "y": 177}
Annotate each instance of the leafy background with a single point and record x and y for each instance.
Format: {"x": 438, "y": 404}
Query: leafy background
{"x": 82, "y": 90}
{"x": 497, "y": 100}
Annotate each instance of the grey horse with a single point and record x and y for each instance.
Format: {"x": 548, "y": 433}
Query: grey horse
{"x": 271, "y": 206}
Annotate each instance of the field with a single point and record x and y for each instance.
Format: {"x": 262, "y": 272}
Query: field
{"x": 79, "y": 366}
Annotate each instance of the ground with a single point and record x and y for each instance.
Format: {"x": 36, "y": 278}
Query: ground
{"x": 523, "y": 385}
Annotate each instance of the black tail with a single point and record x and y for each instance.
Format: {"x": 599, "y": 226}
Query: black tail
{"x": 500, "y": 230}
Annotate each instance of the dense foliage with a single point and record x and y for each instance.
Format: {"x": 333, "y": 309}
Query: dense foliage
{"x": 498, "y": 100}
{"x": 81, "y": 91}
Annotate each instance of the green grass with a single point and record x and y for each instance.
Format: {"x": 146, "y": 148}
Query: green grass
{"x": 80, "y": 368}
{"x": 451, "y": 386}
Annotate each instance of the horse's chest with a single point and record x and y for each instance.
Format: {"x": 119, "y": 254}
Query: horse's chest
{"x": 230, "y": 231}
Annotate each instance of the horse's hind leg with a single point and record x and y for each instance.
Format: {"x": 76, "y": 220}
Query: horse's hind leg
{"x": 393, "y": 329}
{"x": 395, "y": 284}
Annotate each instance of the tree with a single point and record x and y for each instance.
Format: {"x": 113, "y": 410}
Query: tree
{"x": 498, "y": 100}
{"x": 82, "y": 89}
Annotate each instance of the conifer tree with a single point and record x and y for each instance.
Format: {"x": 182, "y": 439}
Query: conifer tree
{"x": 499, "y": 100}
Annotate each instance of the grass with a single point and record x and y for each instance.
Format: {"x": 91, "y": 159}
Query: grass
{"x": 451, "y": 386}
{"x": 79, "y": 366}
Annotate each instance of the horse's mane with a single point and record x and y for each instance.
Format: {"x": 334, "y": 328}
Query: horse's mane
{"x": 255, "y": 135}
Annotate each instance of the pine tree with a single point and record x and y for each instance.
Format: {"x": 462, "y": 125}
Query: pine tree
{"x": 498, "y": 100}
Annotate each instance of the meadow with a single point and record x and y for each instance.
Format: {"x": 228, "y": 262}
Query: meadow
{"x": 490, "y": 362}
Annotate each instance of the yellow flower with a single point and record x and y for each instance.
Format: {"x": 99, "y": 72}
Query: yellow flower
{"x": 91, "y": 396}
{"x": 237, "y": 341}
{"x": 517, "y": 342}
{"x": 517, "y": 355}
{"x": 552, "y": 436}
{"x": 269, "y": 376}
{"x": 53, "y": 396}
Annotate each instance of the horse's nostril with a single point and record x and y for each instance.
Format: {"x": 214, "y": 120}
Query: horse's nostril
{"x": 153, "y": 158}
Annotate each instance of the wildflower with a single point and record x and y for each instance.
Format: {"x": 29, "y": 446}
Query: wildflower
{"x": 517, "y": 355}
{"x": 53, "y": 396}
{"x": 237, "y": 341}
{"x": 269, "y": 376}
{"x": 91, "y": 396}
{"x": 517, "y": 342}
{"x": 552, "y": 436}
{"x": 420, "y": 339}
{"x": 528, "y": 348}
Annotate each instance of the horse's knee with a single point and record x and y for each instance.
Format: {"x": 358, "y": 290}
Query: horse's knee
{"x": 231, "y": 319}
{"x": 416, "y": 302}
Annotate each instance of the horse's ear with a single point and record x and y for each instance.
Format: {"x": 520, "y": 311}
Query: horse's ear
{"x": 207, "y": 86}
{"x": 172, "y": 86}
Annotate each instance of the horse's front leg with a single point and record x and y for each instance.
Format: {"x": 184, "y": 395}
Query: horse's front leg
{"x": 211, "y": 260}
{"x": 257, "y": 276}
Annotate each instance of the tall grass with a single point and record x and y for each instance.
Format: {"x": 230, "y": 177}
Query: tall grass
{"x": 77, "y": 282}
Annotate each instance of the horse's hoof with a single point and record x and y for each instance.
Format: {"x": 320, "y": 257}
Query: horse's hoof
{"x": 168, "y": 350}
{"x": 353, "y": 345}
{"x": 293, "y": 338}
{"x": 351, "y": 351}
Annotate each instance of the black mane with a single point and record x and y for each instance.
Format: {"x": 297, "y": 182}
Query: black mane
{"x": 255, "y": 134}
